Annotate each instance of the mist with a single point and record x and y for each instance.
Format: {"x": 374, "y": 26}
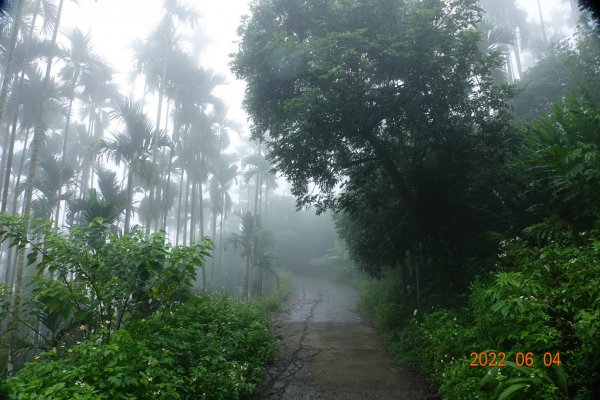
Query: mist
{"x": 299, "y": 199}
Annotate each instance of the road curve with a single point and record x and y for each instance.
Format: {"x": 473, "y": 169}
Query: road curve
{"x": 329, "y": 351}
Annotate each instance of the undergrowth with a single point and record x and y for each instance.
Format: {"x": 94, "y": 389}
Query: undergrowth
{"x": 540, "y": 300}
{"x": 207, "y": 348}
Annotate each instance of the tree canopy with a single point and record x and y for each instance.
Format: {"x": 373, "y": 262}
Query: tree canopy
{"x": 385, "y": 110}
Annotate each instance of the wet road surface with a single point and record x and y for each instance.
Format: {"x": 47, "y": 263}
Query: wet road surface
{"x": 328, "y": 350}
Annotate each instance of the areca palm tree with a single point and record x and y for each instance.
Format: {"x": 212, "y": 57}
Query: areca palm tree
{"x": 47, "y": 187}
{"x": 81, "y": 65}
{"x": 98, "y": 96}
{"x": 28, "y": 103}
{"x": 108, "y": 203}
{"x": 224, "y": 172}
{"x": 258, "y": 167}
{"x": 246, "y": 242}
{"x": 507, "y": 22}
{"x": 134, "y": 147}
{"x": 8, "y": 67}
{"x": 26, "y": 54}
{"x": 156, "y": 53}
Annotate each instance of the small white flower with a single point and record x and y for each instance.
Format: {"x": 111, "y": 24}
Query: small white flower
{"x": 415, "y": 312}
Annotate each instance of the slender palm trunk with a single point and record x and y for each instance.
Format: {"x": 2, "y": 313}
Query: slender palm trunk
{"x": 64, "y": 149}
{"x": 193, "y": 215}
{"x": 214, "y": 238}
{"x": 36, "y": 145}
{"x": 8, "y": 70}
{"x": 266, "y": 206}
{"x": 179, "y": 208}
{"x": 518, "y": 51}
{"x": 129, "y": 200}
{"x": 186, "y": 206}
{"x": 542, "y": 22}
{"x": 176, "y": 128}
{"x": 161, "y": 91}
{"x": 247, "y": 283}
{"x": 509, "y": 68}
{"x": 221, "y": 252}
{"x": 9, "y": 158}
{"x": 201, "y": 208}
{"x": 15, "y": 199}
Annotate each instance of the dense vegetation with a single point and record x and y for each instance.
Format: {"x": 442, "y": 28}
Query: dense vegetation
{"x": 207, "y": 348}
{"x": 122, "y": 234}
{"x": 128, "y": 327}
{"x": 464, "y": 185}
{"x": 454, "y": 143}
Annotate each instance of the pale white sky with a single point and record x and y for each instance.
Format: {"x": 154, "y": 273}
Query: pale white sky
{"x": 114, "y": 24}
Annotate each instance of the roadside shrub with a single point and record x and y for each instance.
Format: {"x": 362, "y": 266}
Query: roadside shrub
{"x": 207, "y": 348}
{"x": 543, "y": 299}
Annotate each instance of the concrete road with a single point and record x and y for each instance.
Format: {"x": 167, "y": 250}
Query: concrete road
{"x": 328, "y": 350}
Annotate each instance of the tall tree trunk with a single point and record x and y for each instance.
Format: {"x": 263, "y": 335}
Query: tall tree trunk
{"x": 185, "y": 211}
{"x": 87, "y": 157}
{"x": 176, "y": 128}
{"x": 9, "y": 158}
{"x": 161, "y": 91}
{"x": 15, "y": 199}
{"x": 36, "y": 145}
{"x": 129, "y": 200}
{"x": 266, "y": 205}
{"x": 18, "y": 92}
{"x": 517, "y": 48}
{"x": 8, "y": 69}
{"x": 220, "y": 253}
{"x": 193, "y": 215}
{"x": 509, "y": 68}
{"x": 201, "y": 208}
{"x": 542, "y": 22}
{"x": 179, "y": 208}
{"x": 64, "y": 149}
{"x": 214, "y": 238}
{"x": 247, "y": 285}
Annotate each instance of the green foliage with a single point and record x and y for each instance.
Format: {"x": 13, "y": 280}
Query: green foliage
{"x": 563, "y": 166}
{"x": 337, "y": 261}
{"x": 103, "y": 280}
{"x": 276, "y": 300}
{"x": 568, "y": 66}
{"x": 542, "y": 299}
{"x": 207, "y": 348}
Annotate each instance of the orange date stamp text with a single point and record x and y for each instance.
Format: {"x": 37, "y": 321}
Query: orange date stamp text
{"x": 521, "y": 358}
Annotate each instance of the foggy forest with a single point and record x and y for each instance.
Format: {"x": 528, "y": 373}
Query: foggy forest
{"x": 299, "y": 199}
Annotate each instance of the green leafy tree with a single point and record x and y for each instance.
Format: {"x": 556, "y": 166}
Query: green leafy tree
{"x": 384, "y": 99}
{"x": 96, "y": 287}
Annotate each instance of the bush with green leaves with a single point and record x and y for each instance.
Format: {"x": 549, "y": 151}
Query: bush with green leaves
{"x": 207, "y": 348}
{"x": 101, "y": 280}
{"x": 542, "y": 299}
